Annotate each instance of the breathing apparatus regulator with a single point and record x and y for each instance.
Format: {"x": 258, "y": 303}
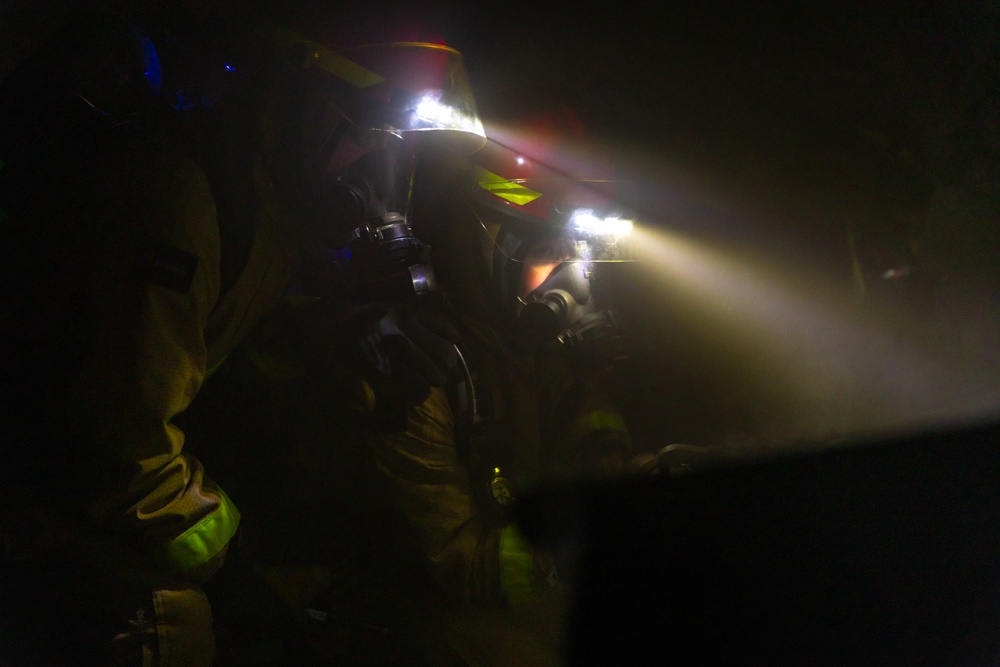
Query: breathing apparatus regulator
{"x": 385, "y": 258}
{"x": 381, "y": 107}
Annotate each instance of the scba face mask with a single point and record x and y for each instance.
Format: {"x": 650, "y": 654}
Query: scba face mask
{"x": 555, "y": 215}
{"x": 560, "y": 303}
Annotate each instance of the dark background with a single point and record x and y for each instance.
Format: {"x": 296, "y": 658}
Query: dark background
{"x": 751, "y": 129}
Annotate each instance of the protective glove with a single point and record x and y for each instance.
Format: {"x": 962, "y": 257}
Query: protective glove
{"x": 681, "y": 459}
{"x": 401, "y": 355}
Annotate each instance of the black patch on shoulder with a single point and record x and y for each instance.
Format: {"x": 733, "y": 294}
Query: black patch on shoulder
{"x": 165, "y": 265}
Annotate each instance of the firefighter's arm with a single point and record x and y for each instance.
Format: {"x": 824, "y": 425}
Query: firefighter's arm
{"x": 586, "y": 437}
{"x": 589, "y": 437}
{"x": 432, "y": 486}
{"x": 150, "y": 362}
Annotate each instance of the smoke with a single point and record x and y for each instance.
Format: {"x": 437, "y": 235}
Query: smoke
{"x": 798, "y": 359}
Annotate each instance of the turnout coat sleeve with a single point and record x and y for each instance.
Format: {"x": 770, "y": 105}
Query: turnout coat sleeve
{"x": 151, "y": 298}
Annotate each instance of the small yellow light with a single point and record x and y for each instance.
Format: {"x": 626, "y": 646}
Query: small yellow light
{"x": 496, "y": 471}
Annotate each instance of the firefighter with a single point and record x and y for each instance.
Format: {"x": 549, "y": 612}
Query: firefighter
{"x": 140, "y": 259}
{"x": 520, "y": 266}
{"x": 429, "y": 564}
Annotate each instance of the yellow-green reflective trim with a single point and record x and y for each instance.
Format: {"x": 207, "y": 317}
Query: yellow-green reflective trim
{"x": 329, "y": 60}
{"x": 517, "y": 566}
{"x": 505, "y": 189}
{"x": 341, "y": 67}
{"x": 202, "y": 541}
{"x": 597, "y": 420}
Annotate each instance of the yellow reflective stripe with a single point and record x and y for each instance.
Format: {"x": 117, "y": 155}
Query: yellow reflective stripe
{"x": 517, "y": 566}
{"x": 341, "y": 67}
{"x": 597, "y": 420}
{"x": 328, "y": 60}
{"x": 505, "y": 189}
{"x": 202, "y": 541}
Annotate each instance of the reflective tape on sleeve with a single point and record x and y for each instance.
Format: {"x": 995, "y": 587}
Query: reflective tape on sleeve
{"x": 202, "y": 541}
{"x": 597, "y": 420}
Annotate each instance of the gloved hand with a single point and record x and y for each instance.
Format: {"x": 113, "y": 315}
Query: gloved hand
{"x": 400, "y": 355}
{"x": 681, "y": 459}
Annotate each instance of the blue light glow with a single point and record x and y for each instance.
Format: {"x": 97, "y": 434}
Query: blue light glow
{"x": 339, "y": 255}
{"x": 152, "y": 72}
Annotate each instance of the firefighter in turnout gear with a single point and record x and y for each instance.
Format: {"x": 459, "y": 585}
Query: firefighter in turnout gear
{"x": 432, "y": 564}
{"x": 525, "y": 404}
{"x": 145, "y": 249}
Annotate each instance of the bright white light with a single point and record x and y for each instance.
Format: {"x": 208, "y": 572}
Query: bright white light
{"x": 520, "y": 160}
{"x": 435, "y": 115}
{"x": 433, "y": 111}
{"x": 587, "y": 222}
